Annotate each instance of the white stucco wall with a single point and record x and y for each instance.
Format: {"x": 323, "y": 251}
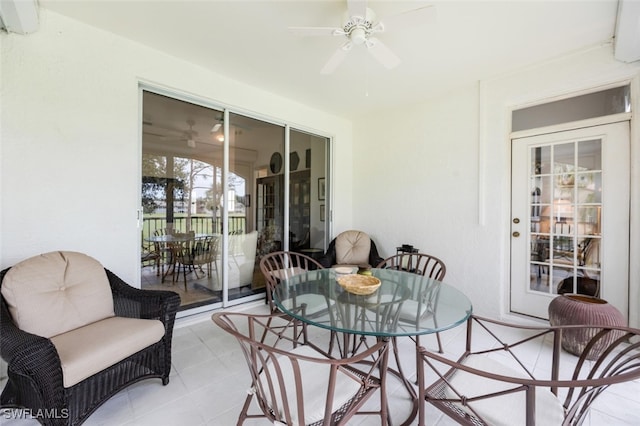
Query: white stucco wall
{"x": 70, "y": 147}
{"x": 437, "y": 174}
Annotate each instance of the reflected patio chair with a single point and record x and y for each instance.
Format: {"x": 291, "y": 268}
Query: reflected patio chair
{"x": 300, "y": 386}
{"x": 165, "y": 251}
{"x": 192, "y": 253}
{"x": 150, "y": 255}
{"x": 497, "y": 381}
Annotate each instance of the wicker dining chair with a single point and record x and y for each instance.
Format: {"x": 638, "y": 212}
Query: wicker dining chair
{"x": 519, "y": 375}
{"x": 295, "y": 383}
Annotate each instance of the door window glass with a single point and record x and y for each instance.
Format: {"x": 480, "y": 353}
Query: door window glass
{"x": 566, "y": 208}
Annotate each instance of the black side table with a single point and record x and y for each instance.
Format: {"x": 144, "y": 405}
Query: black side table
{"x": 407, "y": 249}
{"x": 314, "y": 253}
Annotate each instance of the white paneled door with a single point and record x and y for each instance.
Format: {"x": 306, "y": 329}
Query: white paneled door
{"x": 570, "y": 217}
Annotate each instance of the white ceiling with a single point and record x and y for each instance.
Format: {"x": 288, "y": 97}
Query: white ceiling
{"x": 249, "y": 41}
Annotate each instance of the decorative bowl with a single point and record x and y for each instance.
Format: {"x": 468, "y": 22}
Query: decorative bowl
{"x": 344, "y": 270}
{"x": 359, "y": 284}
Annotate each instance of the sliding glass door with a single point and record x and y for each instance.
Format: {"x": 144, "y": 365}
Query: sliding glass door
{"x": 308, "y": 193}
{"x": 232, "y": 188}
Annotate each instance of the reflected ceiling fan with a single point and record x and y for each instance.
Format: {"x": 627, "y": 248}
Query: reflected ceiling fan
{"x": 190, "y": 134}
{"x": 217, "y": 126}
{"x": 360, "y": 27}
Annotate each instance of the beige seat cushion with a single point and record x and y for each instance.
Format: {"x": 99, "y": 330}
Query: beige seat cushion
{"x": 56, "y": 292}
{"x": 505, "y": 410}
{"x": 88, "y": 350}
{"x": 353, "y": 248}
{"x": 284, "y": 273}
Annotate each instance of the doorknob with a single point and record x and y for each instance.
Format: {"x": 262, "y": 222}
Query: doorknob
{"x": 516, "y": 234}
{"x": 516, "y": 220}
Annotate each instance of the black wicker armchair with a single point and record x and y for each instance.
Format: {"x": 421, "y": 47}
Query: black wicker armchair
{"x": 40, "y": 382}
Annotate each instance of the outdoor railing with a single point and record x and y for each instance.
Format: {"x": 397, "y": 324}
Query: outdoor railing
{"x": 198, "y": 224}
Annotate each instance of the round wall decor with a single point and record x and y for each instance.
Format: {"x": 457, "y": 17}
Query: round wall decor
{"x": 294, "y": 160}
{"x": 276, "y": 163}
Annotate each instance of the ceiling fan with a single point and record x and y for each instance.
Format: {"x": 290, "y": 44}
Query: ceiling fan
{"x": 191, "y": 134}
{"x": 360, "y": 27}
{"x": 219, "y": 121}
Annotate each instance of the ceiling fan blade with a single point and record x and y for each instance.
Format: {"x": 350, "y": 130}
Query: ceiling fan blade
{"x": 382, "y": 53}
{"x": 422, "y": 16}
{"x": 316, "y": 31}
{"x": 337, "y": 58}
{"x": 151, "y": 133}
{"x": 357, "y": 8}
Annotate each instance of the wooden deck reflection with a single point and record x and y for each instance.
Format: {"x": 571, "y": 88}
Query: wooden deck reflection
{"x": 201, "y": 290}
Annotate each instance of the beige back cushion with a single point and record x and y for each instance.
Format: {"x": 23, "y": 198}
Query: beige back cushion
{"x": 57, "y": 292}
{"x": 353, "y": 248}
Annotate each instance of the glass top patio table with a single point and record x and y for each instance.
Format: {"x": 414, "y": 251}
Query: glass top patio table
{"x": 406, "y": 304}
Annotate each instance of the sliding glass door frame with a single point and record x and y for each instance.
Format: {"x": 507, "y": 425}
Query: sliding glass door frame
{"x": 226, "y": 168}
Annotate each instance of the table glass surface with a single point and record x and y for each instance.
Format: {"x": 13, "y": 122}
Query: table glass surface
{"x": 406, "y": 304}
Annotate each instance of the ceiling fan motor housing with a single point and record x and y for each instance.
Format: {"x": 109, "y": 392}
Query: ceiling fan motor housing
{"x": 358, "y": 28}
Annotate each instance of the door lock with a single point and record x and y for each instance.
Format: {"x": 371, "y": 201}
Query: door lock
{"x": 516, "y": 220}
{"x": 516, "y": 234}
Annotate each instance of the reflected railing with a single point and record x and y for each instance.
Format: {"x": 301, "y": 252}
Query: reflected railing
{"x": 198, "y": 224}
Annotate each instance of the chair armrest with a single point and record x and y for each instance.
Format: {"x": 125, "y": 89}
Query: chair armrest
{"x": 459, "y": 365}
{"x": 31, "y": 358}
{"x": 477, "y": 380}
{"x": 146, "y": 304}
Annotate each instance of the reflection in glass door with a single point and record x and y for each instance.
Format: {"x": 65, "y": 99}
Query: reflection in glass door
{"x": 215, "y": 181}
{"x": 566, "y": 205}
{"x": 307, "y": 193}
